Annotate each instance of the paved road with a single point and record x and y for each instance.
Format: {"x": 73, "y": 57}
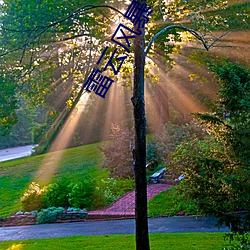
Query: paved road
{"x": 156, "y": 225}
{"x": 14, "y": 153}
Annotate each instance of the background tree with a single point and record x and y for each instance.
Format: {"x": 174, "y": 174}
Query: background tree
{"x": 8, "y": 105}
{"x": 216, "y": 168}
{"x": 118, "y": 155}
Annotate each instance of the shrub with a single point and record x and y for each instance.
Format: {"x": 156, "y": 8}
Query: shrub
{"x": 81, "y": 194}
{"x": 57, "y": 193}
{"x": 243, "y": 242}
{"x": 109, "y": 189}
{"x": 33, "y": 197}
{"x": 48, "y": 215}
{"x": 166, "y": 141}
{"x": 216, "y": 168}
{"x": 103, "y": 194}
{"x": 152, "y": 156}
{"x": 118, "y": 153}
{"x": 123, "y": 185}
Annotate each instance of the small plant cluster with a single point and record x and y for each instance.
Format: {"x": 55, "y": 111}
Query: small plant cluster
{"x": 61, "y": 193}
{"x": 109, "y": 189}
{"x": 51, "y": 214}
{"x": 242, "y": 241}
{"x": 48, "y": 215}
{"x": 89, "y": 194}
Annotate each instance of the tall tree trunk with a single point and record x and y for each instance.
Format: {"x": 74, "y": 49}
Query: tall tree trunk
{"x": 139, "y": 151}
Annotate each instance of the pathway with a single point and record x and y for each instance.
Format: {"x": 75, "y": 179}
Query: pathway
{"x": 124, "y": 207}
{"x": 17, "y": 152}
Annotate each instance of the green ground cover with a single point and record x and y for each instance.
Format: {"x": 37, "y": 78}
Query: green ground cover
{"x": 169, "y": 202}
{"x": 16, "y": 175}
{"x": 170, "y": 241}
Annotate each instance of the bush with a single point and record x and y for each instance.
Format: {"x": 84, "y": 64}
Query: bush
{"x": 57, "y": 193}
{"x": 152, "y": 155}
{"x": 103, "y": 194}
{"x": 166, "y": 141}
{"x": 48, "y": 215}
{"x": 38, "y": 131}
{"x": 118, "y": 153}
{"x": 81, "y": 194}
{"x": 216, "y": 168}
{"x": 33, "y": 198}
{"x": 109, "y": 189}
{"x": 243, "y": 242}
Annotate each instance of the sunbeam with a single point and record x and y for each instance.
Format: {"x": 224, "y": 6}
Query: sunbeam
{"x": 50, "y": 163}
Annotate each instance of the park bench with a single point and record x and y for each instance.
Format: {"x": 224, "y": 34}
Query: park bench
{"x": 182, "y": 176}
{"x": 155, "y": 177}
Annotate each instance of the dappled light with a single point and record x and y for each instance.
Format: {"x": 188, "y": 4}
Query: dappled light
{"x": 16, "y": 247}
{"x": 51, "y": 161}
{"x": 235, "y": 46}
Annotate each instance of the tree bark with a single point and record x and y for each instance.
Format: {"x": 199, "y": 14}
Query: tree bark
{"x": 139, "y": 151}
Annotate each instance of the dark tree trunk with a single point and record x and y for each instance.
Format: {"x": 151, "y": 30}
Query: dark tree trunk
{"x": 139, "y": 151}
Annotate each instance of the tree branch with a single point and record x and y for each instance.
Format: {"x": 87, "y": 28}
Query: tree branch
{"x": 76, "y": 12}
{"x": 193, "y": 32}
{"x": 42, "y": 29}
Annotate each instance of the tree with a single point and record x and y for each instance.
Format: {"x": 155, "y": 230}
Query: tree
{"x": 69, "y": 25}
{"x": 217, "y": 168}
{"x": 139, "y": 151}
{"x": 118, "y": 156}
{"x": 8, "y": 105}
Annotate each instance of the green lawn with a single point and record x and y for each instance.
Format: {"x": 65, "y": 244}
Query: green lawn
{"x": 172, "y": 241}
{"x": 16, "y": 175}
{"x": 169, "y": 202}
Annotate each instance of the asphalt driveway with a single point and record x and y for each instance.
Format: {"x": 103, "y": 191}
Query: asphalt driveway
{"x": 17, "y": 152}
{"x": 156, "y": 225}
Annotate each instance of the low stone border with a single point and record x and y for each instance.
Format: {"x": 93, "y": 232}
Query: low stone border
{"x": 18, "y": 220}
{"x": 30, "y": 219}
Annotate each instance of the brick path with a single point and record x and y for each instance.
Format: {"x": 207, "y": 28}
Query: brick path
{"x": 124, "y": 207}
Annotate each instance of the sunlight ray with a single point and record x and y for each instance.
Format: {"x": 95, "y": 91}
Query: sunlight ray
{"x": 52, "y": 159}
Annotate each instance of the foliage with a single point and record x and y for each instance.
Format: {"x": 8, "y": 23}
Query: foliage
{"x": 73, "y": 209}
{"x": 81, "y": 194}
{"x": 22, "y": 132}
{"x": 118, "y": 156}
{"x": 16, "y": 175}
{"x": 108, "y": 190}
{"x": 216, "y": 168}
{"x": 8, "y": 105}
{"x": 243, "y": 242}
{"x": 92, "y": 192}
{"x": 166, "y": 141}
{"x": 48, "y": 215}
{"x": 151, "y": 153}
{"x": 103, "y": 193}
{"x": 57, "y": 193}
{"x": 52, "y": 41}
{"x": 33, "y": 197}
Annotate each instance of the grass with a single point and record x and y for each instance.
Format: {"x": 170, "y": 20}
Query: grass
{"x": 169, "y": 203}
{"x": 170, "y": 241}
{"x": 16, "y": 175}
